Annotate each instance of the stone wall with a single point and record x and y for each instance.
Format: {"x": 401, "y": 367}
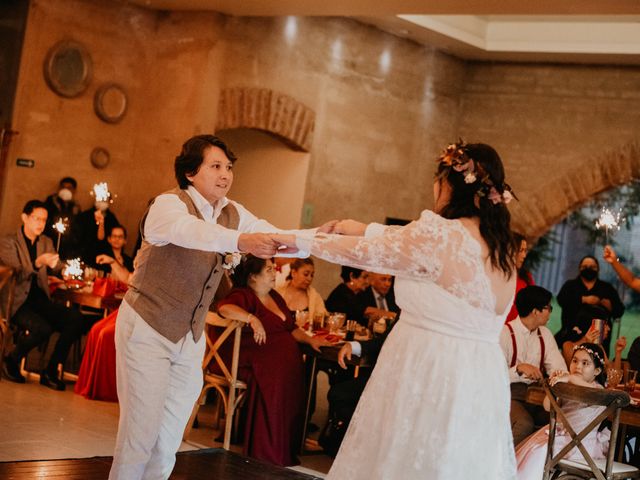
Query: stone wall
{"x": 169, "y": 65}
{"x": 384, "y": 107}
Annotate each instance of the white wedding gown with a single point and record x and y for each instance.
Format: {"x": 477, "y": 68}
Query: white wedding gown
{"x": 437, "y": 404}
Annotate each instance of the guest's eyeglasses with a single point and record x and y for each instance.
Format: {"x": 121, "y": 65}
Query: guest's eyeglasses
{"x": 548, "y": 307}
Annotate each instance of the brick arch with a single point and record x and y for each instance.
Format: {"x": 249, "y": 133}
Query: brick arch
{"x": 536, "y": 214}
{"x": 269, "y": 111}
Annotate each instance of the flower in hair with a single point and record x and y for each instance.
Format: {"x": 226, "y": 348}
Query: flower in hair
{"x": 591, "y": 352}
{"x": 231, "y": 260}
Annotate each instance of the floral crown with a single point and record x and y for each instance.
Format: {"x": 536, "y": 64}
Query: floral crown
{"x": 455, "y": 156}
{"x": 593, "y": 353}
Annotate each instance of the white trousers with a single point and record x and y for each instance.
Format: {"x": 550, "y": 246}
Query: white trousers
{"x": 158, "y": 384}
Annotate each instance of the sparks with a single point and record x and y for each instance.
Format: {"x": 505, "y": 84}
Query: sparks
{"x": 73, "y": 269}
{"x": 101, "y": 192}
{"x": 60, "y": 226}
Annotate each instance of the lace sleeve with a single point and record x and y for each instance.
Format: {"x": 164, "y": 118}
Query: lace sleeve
{"x": 415, "y": 250}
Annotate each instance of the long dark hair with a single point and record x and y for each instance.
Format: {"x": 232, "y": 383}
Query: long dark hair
{"x": 467, "y": 202}
{"x": 601, "y": 378}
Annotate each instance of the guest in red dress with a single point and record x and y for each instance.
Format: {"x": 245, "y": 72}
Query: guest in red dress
{"x": 270, "y": 362}
{"x": 524, "y": 277}
{"x": 97, "y": 375}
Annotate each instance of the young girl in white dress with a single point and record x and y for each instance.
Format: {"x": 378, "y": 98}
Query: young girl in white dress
{"x": 586, "y": 369}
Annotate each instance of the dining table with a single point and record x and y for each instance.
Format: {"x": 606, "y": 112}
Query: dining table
{"x": 328, "y": 353}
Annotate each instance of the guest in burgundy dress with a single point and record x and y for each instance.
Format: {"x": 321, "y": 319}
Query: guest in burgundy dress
{"x": 270, "y": 362}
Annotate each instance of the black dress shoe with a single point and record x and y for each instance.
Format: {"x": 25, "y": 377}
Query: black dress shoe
{"x": 51, "y": 381}
{"x": 11, "y": 370}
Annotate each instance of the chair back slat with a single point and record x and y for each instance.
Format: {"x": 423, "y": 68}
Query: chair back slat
{"x": 612, "y": 400}
{"x": 7, "y": 284}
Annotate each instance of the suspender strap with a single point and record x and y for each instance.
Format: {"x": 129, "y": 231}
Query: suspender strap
{"x": 514, "y": 345}
{"x": 541, "y": 352}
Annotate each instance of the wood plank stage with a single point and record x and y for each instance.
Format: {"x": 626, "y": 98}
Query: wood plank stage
{"x": 211, "y": 463}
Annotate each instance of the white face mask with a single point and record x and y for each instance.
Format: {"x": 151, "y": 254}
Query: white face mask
{"x": 65, "y": 194}
{"x": 102, "y": 206}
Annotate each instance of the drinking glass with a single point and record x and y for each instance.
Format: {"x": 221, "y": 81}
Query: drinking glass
{"x": 614, "y": 376}
{"x": 333, "y": 324}
{"x": 630, "y": 380}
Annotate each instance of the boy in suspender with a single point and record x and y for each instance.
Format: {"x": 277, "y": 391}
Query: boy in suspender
{"x": 531, "y": 353}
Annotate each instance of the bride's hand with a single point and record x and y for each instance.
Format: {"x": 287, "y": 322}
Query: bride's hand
{"x": 350, "y": 227}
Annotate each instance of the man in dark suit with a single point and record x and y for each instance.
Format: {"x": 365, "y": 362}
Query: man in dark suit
{"x": 30, "y": 253}
{"x": 378, "y": 300}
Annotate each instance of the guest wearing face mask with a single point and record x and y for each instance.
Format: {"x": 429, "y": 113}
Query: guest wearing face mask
{"x": 90, "y": 229}
{"x": 62, "y": 205}
{"x": 586, "y": 289}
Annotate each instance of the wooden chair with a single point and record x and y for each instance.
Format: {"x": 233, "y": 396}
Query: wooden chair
{"x": 230, "y": 389}
{"x": 7, "y": 284}
{"x": 559, "y": 467}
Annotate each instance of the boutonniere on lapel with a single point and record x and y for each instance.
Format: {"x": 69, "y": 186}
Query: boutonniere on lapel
{"x": 231, "y": 261}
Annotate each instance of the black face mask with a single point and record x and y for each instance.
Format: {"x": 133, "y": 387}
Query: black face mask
{"x": 589, "y": 274}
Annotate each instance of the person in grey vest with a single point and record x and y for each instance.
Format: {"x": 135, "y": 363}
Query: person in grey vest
{"x": 187, "y": 234}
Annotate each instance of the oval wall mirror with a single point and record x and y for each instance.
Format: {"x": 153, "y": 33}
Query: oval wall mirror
{"x": 110, "y": 102}
{"x": 68, "y": 68}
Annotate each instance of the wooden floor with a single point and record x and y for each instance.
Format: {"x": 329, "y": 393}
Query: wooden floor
{"x": 197, "y": 465}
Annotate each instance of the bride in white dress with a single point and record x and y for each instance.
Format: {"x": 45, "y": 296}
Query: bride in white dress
{"x": 437, "y": 404}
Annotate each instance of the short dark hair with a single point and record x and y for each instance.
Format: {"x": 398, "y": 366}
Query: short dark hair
{"x": 592, "y": 258}
{"x": 249, "y": 265}
{"x": 70, "y": 180}
{"x": 346, "y": 272}
{"x": 192, "y": 156}
{"x": 31, "y": 205}
{"x": 532, "y": 297}
{"x": 121, "y": 227}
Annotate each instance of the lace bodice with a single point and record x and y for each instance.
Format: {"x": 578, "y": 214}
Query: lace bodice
{"x": 431, "y": 248}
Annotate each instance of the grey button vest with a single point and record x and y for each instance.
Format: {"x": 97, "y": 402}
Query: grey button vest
{"x": 173, "y": 287}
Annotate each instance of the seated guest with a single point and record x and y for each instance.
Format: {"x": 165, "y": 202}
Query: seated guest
{"x": 344, "y": 395}
{"x": 61, "y": 205}
{"x": 90, "y": 229}
{"x": 378, "y": 299}
{"x": 587, "y": 289}
{"x": 270, "y": 362}
{"x": 531, "y": 352}
{"x": 297, "y": 291}
{"x": 524, "y": 277}
{"x": 344, "y": 297}
{"x": 584, "y": 332}
{"x": 30, "y": 253}
{"x": 113, "y": 252}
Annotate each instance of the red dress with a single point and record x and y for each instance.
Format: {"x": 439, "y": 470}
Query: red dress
{"x": 520, "y": 284}
{"x": 97, "y": 376}
{"x": 274, "y": 373}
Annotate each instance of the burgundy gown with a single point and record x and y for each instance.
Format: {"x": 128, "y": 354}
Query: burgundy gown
{"x": 274, "y": 373}
{"x": 97, "y": 375}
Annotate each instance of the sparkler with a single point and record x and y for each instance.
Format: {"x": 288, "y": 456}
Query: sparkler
{"x": 73, "y": 269}
{"x": 609, "y": 221}
{"x": 60, "y": 226}
{"x": 101, "y": 192}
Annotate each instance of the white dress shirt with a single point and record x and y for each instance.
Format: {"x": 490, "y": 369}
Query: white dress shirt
{"x": 169, "y": 221}
{"x": 528, "y": 346}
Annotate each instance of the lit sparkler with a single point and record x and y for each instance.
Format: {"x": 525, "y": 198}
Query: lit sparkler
{"x": 101, "y": 192}
{"x": 609, "y": 221}
{"x": 73, "y": 269}
{"x": 60, "y": 226}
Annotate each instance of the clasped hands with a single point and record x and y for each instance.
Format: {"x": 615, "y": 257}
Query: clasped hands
{"x": 267, "y": 245}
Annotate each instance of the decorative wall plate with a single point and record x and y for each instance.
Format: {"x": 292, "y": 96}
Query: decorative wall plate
{"x": 110, "y": 102}
{"x": 100, "y": 157}
{"x": 68, "y": 68}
